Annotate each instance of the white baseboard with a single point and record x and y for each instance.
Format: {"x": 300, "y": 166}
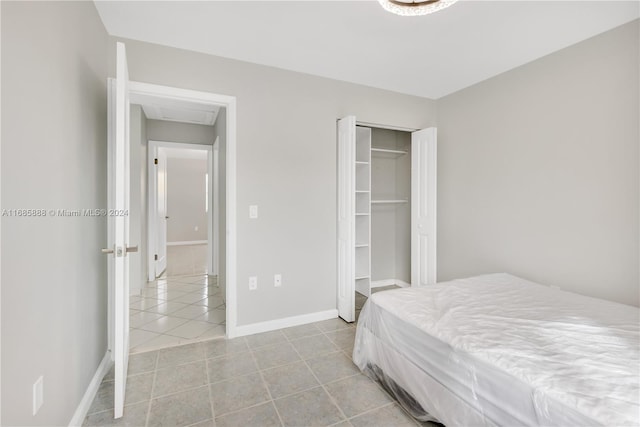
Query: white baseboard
{"x": 287, "y": 322}
{"x": 389, "y": 282}
{"x": 92, "y": 389}
{"x": 187, "y": 242}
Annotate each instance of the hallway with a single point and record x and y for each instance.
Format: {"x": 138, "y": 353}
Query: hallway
{"x": 181, "y": 307}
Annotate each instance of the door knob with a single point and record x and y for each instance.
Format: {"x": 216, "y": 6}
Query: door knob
{"x": 116, "y": 251}
{"x": 166, "y": 217}
{"x": 132, "y": 248}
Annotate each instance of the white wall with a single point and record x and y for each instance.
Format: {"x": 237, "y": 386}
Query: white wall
{"x": 186, "y": 198}
{"x": 286, "y": 149}
{"x": 54, "y": 151}
{"x": 538, "y": 171}
{"x": 138, "y": 200}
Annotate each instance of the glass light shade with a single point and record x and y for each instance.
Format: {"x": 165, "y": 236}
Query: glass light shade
{"x": 415, "y": 8}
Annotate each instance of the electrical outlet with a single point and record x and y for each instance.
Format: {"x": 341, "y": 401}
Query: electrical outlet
{"x": 38, "y": 394}
{"x": 253, "y": 283}
{"x": 277, "y": 280}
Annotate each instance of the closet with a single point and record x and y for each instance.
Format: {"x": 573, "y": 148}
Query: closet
{"x": 386, "y": 209}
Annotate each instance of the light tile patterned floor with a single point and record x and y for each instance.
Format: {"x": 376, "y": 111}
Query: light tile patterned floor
{"x": 301, "y": 376}
{"x": 178, "y": 309}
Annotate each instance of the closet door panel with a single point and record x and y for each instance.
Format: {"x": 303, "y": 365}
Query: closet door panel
{"x": 423, "y": 207}
{"x": 346, "y": 217}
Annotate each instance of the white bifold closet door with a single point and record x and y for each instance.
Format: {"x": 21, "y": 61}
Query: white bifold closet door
{"x": 423, "y": 212}
{"x": 423, "y": 207}
{"x": 346, "y": 218}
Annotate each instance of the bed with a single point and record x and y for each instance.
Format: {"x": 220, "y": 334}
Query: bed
{"x": 500, "y": 350}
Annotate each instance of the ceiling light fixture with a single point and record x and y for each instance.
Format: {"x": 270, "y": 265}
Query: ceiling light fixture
{"x": 415, "y": 7}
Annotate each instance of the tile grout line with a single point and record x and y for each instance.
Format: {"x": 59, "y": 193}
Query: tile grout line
{"x": 393, "y": 399}
{"x": 153, "y": 387}
{"x": 264, "y": 382}
{"x": 344, "y": 416}
{"x": 368, "y": 411}
{"x": 359, "y": 373}
{"x": 206, "y": 365}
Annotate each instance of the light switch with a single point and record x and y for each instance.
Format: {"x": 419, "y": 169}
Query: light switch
{"x": 253, "y": 211}
{"x": 277, "y": 280}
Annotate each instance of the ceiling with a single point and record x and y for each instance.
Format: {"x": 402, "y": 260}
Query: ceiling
{"x": 171, "y": 110}
{"x": 359, "y": 42}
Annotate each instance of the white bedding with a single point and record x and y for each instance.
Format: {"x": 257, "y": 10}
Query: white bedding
{"x": 513, "y": 350}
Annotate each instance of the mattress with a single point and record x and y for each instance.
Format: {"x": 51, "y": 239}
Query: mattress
{"x": 500, "y": 350}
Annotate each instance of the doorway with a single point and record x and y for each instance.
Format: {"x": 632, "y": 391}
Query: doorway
{"x": 181, "y": 218}
{"x": 178, "y": 291}
{"x": 182, "y": 300}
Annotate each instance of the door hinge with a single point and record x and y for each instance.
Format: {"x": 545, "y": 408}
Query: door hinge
{"x": 155, "y": 257}
{"x": 155, "y": 161}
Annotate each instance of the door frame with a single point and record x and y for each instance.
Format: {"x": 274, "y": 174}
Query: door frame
{"x": 214, "y": 197}
{"x": 152, "y": 191}
{"x": 139, "y": 90}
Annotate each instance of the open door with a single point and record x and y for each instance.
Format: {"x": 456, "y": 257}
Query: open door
{"x": 118, "y": 229}
{"x": 423, "y": 207}
{"x": 346, "y": 217}
{"x": 161, "y": 209}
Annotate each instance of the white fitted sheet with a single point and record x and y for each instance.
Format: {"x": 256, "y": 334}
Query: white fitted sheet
{"x": 500, "y": 350}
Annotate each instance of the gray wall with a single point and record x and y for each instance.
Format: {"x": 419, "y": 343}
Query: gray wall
{"x": 538, "y": 171}
{"x": 391, "y": 223}
{"x": 138, "y": 262}
{"x": 286, "y": 149}
{"x": 220, "y": 131}
{"x": 159, "y": 130}
{"x": 54, "y": 151}
{"x": 186, "y": 199}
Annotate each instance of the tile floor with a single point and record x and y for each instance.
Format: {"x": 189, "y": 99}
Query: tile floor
{"x": 177, "y": 309}
{"x": 300, "y": 376}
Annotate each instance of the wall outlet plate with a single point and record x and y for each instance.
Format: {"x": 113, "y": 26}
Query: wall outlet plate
{"x": 253, "y": 283}
{"x": 277, "y": 280}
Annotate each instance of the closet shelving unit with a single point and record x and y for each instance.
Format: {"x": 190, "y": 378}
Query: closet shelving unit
{"x": 364, "y": 201}
{"x": 388, "y": 153}
{"x": 384, "y": 201}
{"x": 363, "y": 211}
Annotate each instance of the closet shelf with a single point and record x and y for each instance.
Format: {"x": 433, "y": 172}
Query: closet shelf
{"x": 380, "y": 202}
{"x": 361, "y": 163}
{"x": 361, "y": 277}
{"x": 385, "y": 152}
{"x": 362, "y": 214}
{"x": 363, "y": 191}
{"x": 362, "y": 245}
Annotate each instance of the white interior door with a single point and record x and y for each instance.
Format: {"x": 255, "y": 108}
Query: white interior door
{"x": 423, "y": 207}
{"x": 119, "y": 227}
{"x": 161, "y": 209}
{"x": 346, "y": 217}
